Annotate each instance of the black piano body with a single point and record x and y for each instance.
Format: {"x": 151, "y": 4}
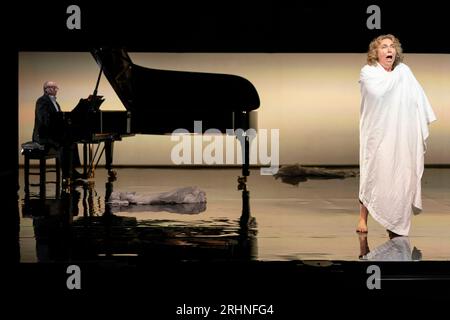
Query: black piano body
{"x": 86, "y": 124}
{"x": 159, "y": 102}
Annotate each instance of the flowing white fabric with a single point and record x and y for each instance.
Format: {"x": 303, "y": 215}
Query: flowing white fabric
{"x": 395, "y": 114}
{"x": 176, "y": 196}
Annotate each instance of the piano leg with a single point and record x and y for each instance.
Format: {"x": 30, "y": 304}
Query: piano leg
{"x": 245, "y": 134}
{"x": 109, "y": 149}
{"x": 245, "y": 141}
{"x": 242, "y": 184}
{"x": 85, "y": 173}
{"x": 246, "y": 164}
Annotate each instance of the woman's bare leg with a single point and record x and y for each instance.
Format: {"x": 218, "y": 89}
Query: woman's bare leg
{"x": 362, "y": 224}
{"x": 363, "y": 245}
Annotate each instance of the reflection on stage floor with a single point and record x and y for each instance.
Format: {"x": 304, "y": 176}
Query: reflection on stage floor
{"x": 313, "y": 219}
{"x": 81, "y": 226}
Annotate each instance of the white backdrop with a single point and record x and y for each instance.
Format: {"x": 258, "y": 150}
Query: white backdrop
{"x": 313, "y": 99}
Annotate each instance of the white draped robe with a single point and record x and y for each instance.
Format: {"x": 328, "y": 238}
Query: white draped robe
{"x": 395, "y": 114}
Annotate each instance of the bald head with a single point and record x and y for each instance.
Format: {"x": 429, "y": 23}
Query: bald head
{"x": 50, "y": 88}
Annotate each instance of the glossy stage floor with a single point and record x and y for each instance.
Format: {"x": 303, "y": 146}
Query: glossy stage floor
{"x": 293, "y": 220}
{"x": 281, "y": 234}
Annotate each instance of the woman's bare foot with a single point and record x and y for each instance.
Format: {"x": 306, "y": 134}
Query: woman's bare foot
{"x": 392, "y": 235}
{"x": 362, "y": 224}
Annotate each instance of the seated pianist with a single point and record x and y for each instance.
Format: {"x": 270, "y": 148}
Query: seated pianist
{"x": 44, "y": 132}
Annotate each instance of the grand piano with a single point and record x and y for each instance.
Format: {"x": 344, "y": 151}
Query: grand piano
{"x": 158, "y": 102}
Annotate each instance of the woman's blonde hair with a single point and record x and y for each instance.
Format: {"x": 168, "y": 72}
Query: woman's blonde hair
{"x": 372, "y": 56}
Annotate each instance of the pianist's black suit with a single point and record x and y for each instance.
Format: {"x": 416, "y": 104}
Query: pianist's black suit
{"x": 42, "y": 132}
{"x": 50, "y": 135}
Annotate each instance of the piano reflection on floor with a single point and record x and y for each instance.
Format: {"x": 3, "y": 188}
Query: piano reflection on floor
{"x": 94, "y": 231}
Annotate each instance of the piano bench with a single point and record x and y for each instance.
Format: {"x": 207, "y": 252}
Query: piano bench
{"x": 35, "y": 151}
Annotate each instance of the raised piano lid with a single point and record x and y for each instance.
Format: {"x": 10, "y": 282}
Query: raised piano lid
{"x": 145, "y": 90}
